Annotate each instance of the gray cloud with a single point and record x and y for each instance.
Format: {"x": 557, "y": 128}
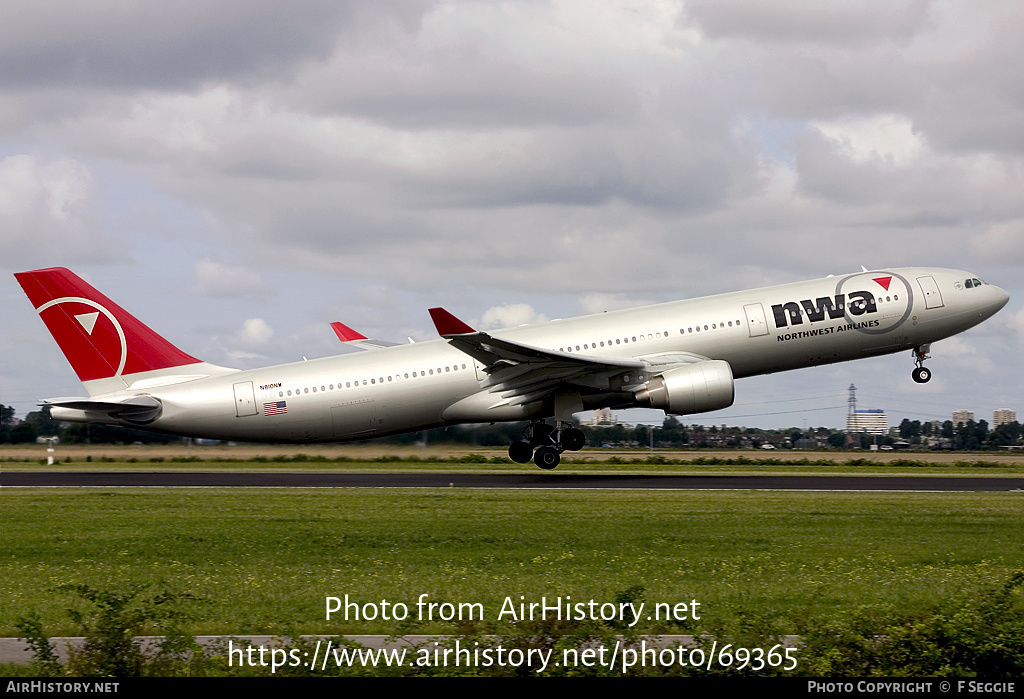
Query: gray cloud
{"x": 808, "y": 21}
{"x": 48, "y": 213}
{"x": 217, "y": 279}
{"x": 132, "y": 45}
{"x": 366, "y": 160}
{"x": 466, "y": 87}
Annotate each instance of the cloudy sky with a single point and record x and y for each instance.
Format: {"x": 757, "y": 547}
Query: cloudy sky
{"x": 240, "y": 173}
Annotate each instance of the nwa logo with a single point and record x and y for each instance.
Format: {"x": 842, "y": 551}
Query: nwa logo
{"x": 856, "y": 303}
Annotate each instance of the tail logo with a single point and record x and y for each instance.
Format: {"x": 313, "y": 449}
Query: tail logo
{"x": 88, "y": 323}
{"x": 88, "y": 320}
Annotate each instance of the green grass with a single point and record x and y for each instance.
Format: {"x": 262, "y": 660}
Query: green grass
{"x": 584, "y": 463}
{"x": 263, "y": 560}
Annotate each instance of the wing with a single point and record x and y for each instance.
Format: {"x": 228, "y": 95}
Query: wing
{"x": 356, "y": 339}
{"x": 521, "y": 373}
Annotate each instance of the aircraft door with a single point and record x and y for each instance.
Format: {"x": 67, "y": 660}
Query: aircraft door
{"x": 245, "y": 399}
{"x": 756, "y": 323}
{"x": 932, "y": 297}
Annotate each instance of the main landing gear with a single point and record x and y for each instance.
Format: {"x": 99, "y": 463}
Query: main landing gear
{"x": 545, "y": 443}
{"x": 921, "y": 373}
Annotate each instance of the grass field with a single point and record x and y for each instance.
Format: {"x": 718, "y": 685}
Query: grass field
{"x": 263, "y": 560}
{"x": 369, "y": 458}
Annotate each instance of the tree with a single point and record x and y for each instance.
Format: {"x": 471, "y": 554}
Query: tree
{"x": 35, "y": 424}
{"x": 947, "y": 429}
{"x": 6, "y": 421}
{"x": 672, "y": 432}
{"x": 981, "y": 433}
{"x": 1007, "y": 434}
{"x": 910, "y": 429}
{"x": 642, "y": 435}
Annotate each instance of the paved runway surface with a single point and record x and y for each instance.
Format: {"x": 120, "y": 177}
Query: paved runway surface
{"x": 531, "y": 480}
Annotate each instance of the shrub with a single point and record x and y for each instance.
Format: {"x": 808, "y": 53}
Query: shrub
{"x": 111, "y": 626}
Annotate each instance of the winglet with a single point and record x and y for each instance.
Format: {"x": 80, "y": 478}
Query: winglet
{"x": 345, "y": 333}
{"x": 447, "y": 324}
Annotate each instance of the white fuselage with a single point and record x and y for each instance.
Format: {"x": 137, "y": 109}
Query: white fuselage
{"x": 429, "y": 384}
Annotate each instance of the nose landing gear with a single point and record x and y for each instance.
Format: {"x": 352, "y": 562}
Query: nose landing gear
{"x": 921, "y": 374}
{"x": 549, "y": 443}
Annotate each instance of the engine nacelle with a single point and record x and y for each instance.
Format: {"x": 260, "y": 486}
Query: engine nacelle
{"x": 695, "y": 388}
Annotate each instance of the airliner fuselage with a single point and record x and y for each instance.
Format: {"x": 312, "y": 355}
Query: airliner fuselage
{"x": 681, "y": 356}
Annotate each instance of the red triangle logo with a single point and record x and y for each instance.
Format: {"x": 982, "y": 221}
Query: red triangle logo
{"x": 884, "y": 282}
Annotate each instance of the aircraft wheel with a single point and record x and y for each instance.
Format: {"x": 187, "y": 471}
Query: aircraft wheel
{"x": 573, "y": 439}
{"x": 521, "y": 452}
{"x": 547, "y": 457}
{"x": 922, "y": 375}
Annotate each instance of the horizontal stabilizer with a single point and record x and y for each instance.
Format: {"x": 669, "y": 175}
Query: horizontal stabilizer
{"x": 140, "y": 409}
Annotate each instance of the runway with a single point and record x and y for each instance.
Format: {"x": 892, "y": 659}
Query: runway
{"x": 501, "y": 480}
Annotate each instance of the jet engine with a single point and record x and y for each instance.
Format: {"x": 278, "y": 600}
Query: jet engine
{"x": 695, "y": 388}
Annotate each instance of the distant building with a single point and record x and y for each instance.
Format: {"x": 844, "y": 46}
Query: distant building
{"x": 870, "y": 421}
{"x": 602, "y": 416}
{"x": 1003, "y": 416}
{"x": 962, "y": 417}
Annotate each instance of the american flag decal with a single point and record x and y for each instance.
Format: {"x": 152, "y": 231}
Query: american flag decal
{"x": 277, "y": 407}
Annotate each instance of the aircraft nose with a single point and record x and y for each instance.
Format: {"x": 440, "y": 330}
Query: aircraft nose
{"x": 997, "y": 299}
{"x": 1002, "y": 298}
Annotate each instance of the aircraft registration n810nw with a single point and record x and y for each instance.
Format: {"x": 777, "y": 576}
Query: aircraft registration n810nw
{"x": 682, "y": 357}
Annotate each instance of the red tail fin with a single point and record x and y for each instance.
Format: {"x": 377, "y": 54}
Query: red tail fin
{"x": 99, "y": 338}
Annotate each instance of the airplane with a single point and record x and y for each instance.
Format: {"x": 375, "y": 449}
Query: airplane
{"x": 682, "y": 357}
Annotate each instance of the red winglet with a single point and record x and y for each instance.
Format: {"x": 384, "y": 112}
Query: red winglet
{"x": 345, "y": 333}
{"x": 447, "y": 324}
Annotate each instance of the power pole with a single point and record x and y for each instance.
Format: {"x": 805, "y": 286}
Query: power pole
{"x": 851, "y": 416}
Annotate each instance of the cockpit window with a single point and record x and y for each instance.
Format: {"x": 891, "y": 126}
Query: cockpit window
{"x": 977, "y": 282}
{"x": 969, "y": 283}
